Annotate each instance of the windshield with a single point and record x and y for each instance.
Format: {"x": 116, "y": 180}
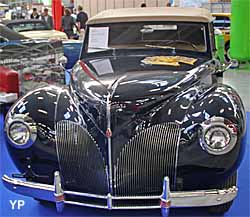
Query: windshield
{"x": 32, "y": 26}
{"x": 222, "y": 22}
{"x": 183, "y": 36}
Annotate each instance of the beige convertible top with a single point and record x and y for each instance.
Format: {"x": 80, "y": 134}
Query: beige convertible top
{"x": 152, "y": 14}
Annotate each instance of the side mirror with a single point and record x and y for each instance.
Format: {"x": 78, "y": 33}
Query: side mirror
{"x": 220, "y": 68}
{"x": 225, "y": 66}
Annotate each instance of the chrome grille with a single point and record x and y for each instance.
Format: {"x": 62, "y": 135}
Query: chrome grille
{"x": 81, "y": 162}
{"x": 146, "y": 159}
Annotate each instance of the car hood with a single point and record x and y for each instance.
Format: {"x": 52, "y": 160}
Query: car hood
{"x": 122, "y": 89}
{"x": 45, "y": 34}
{"x": 128, "y": 78}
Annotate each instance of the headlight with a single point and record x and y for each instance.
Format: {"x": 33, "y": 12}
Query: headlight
{"x": 219, "y": 136}
{"x": 21, "y": 131}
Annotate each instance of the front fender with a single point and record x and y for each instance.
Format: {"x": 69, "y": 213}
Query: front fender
{"x": 46, "y": 106}
{"x": 190, "y": 108}
{"x": 216, "y": 101}
{"x": 193, "y": 161}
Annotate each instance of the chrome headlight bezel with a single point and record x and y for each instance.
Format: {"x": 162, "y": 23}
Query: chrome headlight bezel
{"x": 27, "y": 123}
{"x": 218, "y": 125}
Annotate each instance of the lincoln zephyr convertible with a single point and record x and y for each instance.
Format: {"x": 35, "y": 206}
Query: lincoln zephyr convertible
{"x": 144, "y": 123}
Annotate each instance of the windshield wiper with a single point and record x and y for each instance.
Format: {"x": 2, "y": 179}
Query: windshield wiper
{"x": 104, "y": 49}
{"x": 159, "y": 46}
{"x": 162, "y": 47}
{"x": 183, "y": 42}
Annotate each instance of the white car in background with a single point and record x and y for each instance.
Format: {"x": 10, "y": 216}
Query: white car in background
{"x": 35, "y": 29}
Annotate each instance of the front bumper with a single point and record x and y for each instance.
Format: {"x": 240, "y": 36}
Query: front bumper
{"x": 168, "y": 199}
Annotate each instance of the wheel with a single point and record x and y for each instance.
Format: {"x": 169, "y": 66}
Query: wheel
{"x": 221, "y": 209}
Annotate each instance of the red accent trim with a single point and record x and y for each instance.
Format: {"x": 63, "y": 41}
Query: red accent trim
{"x": 233, "y": 127}
{"x": 165, "y": 204}
{"x": 108, "y": 133}
{"x": 60, "y": 198}
{"x": 86, "y": 70}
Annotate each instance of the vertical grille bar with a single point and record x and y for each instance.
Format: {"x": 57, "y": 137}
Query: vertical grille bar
{"x": 146, "y": 159}
{"x": 80, "y": 159}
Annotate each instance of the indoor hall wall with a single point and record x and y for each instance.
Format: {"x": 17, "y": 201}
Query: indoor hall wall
{"x": 92, "y": 7}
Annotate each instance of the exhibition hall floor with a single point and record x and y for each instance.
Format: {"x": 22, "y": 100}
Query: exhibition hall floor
{"x": 239, "y": 79}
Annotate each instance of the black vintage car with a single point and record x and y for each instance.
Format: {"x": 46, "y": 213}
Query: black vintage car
{"x": 144, "y": 124}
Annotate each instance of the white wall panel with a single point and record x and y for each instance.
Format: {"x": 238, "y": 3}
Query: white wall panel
{"x": 119, "y": 3}
{"x": 151, "y": 3}
{"x": 86, "y": 5}
{"x": 92, "y": 7}
{"x": 138, "y": 3}
{"x": 101, "y": 5}
{"x": 110, "y": 4}
{"x": 129, "y": 4}
{"x": 162, "y": 3}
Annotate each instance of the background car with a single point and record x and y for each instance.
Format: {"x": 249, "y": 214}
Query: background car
{"x": 26, "y": 63}
{"x": 34, "y": 29}
{"x": 8, "y": 34}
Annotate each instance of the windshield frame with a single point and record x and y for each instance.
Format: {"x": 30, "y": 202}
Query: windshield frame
{"x": 207, "y": 42}
{"x": 12, "y": 26}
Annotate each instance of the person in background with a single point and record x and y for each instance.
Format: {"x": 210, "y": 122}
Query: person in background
{"x": 34, "y": 14}
{"x": 68, "y": 23}
{"x": 143, "y": 5}
{"x": 71, "y": 5}
{"x": 74, "y": 13}
{"x": 168, "y": 4}
{"x": 81, "y": 17}
{"x": 47, "y": 18}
